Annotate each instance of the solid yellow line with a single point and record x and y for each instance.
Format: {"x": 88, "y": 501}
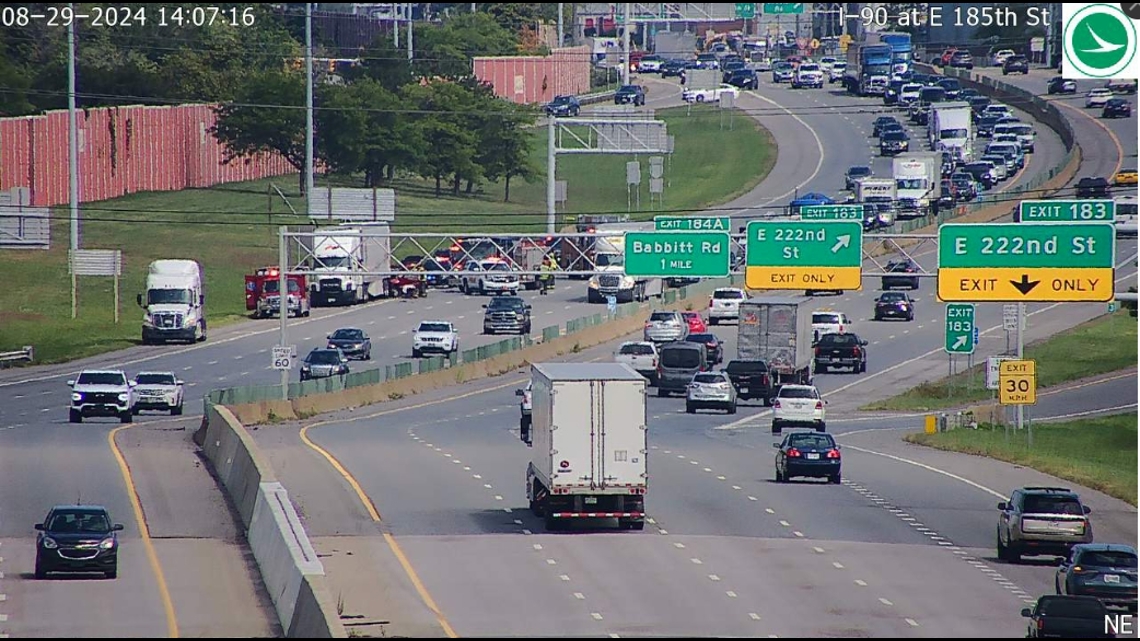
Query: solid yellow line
{"x": 144, "y": 531}
{"x": 410, "y": 571}
{"x": 352, "y": 482}
{"x": 1115, "y": 140}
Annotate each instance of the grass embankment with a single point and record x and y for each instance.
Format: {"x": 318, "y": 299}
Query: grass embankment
{"x": 1104, "y": 344}
{"x": 232, "y": 228}
{"x": 1098, "y": 452}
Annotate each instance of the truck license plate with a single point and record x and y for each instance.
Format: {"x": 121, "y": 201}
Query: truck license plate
{"x": 332, "y": 299}
{"x": 813, "y": 456}
{"x": 590, "y": 500}
{"x": 1112, "y": 578}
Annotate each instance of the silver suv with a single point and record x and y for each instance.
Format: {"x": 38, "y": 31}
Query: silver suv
{"x": 101, "y": 393}
{"x": 1041, "y": 521}
{"x": 666, "y": 327}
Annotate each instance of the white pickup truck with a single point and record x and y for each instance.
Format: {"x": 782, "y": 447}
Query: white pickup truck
{"x": 641, "y": 356}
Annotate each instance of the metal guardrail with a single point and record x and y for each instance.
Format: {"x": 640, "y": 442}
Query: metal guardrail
{"x": 26, "y": 354}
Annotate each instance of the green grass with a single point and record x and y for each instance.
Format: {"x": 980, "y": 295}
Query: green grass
{"x": 710, "y": 166}
{"x": 1104, "y": 344}
{"x": 1098, "y": 452}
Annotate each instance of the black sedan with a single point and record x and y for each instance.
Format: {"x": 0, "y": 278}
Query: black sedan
{"x": 713, "y": 346}
{"x": 893, "y": 142}
{"x": 563, "y": 106}
{"x": 1015, "y": 64}
{"x": 881, "y": 123}
{"x": 1057, "y": 84}
{"x": 672, "y": 68}
{"x": 742, "y": 78}
{"x": 1116, "y": 108}
{"x": 77, "y": 538}
{"x": 808, "y": 454}
{"x": 353, "y": 342}
{"x": 894, "y": 305}
{"x": 1103, "y": 570}
{"x": 901, "y": 273}
{"x": 630, "y": 95}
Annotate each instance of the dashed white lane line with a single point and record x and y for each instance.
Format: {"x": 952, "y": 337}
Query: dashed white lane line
{"x": 708, "y": 469}
{"x": 730, "y": 594}
{"x": 798, "y": 534}
{"x": 696, "y": 561}
{"x": 885, "y": 601}
{"x": 837, "y": 565}
{"x": 679, "y": 546}
{"x": 753, "y": 616}
{"x": 212, "y": 363}
{"x": 911, "y": 622}
{"x": 597, "y": 616}
{"x": 477, "y": 476}
{"x": 737, "y": 488}
{"x": 713, "y": 577}
{"x": 563, "y": 577}
{"x": 238, "y": 357}
{"x": 785, "y": 524}
{"x": 551, "y": 562}
{"x": 753, "y": 498}
{"x": 579, "y": 596}
{"x": 184, "y": 369}
{"x": 487, "y": 485}
{"x": 861, "y": 583}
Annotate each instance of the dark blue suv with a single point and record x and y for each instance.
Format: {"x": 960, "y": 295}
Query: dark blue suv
{"x": 77, "y": 538}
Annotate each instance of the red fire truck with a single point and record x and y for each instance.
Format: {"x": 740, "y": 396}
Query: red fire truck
{"x": 262, "y": 289}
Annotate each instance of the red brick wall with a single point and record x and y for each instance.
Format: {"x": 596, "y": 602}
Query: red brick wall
{"x": 537, "y": 79}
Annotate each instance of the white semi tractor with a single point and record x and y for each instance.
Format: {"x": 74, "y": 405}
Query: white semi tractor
{"x": 950, "y": 129}
{"x": 609, "y": 257}
{"x": 348, "y": 268}
{"x": 917, "y": 181}
{"x": 589, "y": 443}
{"x": 175, "y": 302}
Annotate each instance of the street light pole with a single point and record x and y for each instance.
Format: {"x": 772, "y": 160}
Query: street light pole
{"x": 72, "y": 158}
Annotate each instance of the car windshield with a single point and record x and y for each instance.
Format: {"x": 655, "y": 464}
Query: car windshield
{"x": 1072, "y": 607}
{"x": 798, "y": 392}
{"x": 857, "y": 172}
{"x": 680, "y": 358}
{"x": 746, "y": 367}
{"x": 348, "y": 334}
{"x": 892, "y": 297}
{"x": 324, "y": 357}
{"x": 636, "y": 349}
{"x": 811, "y": 441}
{"x": 168, "y": 297}
{"x": 701, "y": 338}
{"x": 155, "y": 379}
{"x": 505, "y": 303}
{"x": 1109, "y": 559}
{"x": 434, "y": 327}
{"x": 838, "y": 340}
{"x": 1043, "y": 504}
{"x": 561, "y": 100}
{"x": 496, "y": 267}
{"x": 101, "y": 378}
{"x": 662, "y": 317}
{"x": 809, "y": 68}
{"x": 894, "y": 135}
{"x": 78, "y": 522}
{"x": 628, "y": 89}
{"x": 708, "y": 378}
{"x": 728, "y": 294}
{"x": 782, "y": 66}
{"x": 825, "y": 319}
{"x": 274, "y": 286}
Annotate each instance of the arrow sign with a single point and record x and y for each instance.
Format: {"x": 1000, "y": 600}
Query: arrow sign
{"x": 960, "y": 343}
{"x": 1026, "y": 285}
{"x": 840, "y": 243}
{"x": 961, "y": 330}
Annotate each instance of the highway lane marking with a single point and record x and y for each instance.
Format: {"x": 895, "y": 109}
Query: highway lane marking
{"x": 1104, "y": 410}
{"x": 785, "y": 524}
{"x": 818, "y": 550}
{"x": 861, "y": 583}
{"x": 144, "y": 533}
{"x": 1104, "y": 127}
{"x": 885, "y": 601}
{"x": 753, "y": 616}
{"x": 911, "y": 622}
{"x": 818, "y": 162}
{"x": 837, "y": 565}
{"x": 695, "y": 561}
{"x": 579, "y": 596}
{"x": 597, "y": 616}
{"x": 713, "y": 577}
{"x": 563, "y": 577}
{"x": 730, "y": 594}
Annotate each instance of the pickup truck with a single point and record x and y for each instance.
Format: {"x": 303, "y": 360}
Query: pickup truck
{"x": 751, "y": 380}
{"x": 641, "y": 356}
{"x": 840, "y": 350}
{"x": 1067, "y": 617}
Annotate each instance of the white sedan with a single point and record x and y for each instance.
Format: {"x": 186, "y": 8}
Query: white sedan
{"x": 709, "y": 95}
{"x": 1097, "y": 97}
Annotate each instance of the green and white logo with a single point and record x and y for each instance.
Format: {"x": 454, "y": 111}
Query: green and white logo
{"x": 1099, "y": 41}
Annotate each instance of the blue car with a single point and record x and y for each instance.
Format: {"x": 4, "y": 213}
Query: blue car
{"x": 808, "y": 454}
{"x": 1106, "y": 571}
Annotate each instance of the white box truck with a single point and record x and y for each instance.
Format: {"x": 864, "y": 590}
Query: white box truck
{"x": 880, "y": 192}
{"x": 950, "y": 128}
{"x": 175, "y": 302}
{"x": 609, "y": 256}
{"x": 777, "y": 330}
{"x": 917, "y": 175}
{"x": 340, "y": 261}
{"x": 588, "y": 440}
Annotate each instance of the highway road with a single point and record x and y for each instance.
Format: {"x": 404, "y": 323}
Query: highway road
{"x": 849, "y": 560}
{"x": 185, "y": 521}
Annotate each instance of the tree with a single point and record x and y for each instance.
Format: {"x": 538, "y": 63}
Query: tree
{"x": 504, "y": 146}
{"x": 446, "y": 50}
{"x": 386, "y": 65}
{"x": 448, "y": 145}
{"x": 364, "y": 128}
{"x": 267, "y": 115}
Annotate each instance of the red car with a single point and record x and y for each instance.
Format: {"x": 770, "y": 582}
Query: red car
{"x": 696, "y": 323}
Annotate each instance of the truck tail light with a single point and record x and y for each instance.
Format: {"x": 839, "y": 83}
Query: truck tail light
{"x": 833, "y": 454}
{"x": 817, "y": 351}
{"x": 710, "y": 303}
{"x": 819, "y": 405}
{"x": 857, "y": 352}
{"x": 776, "y": 404}
{"x": 764, "y": 380}
{"x": 793, "y": 453}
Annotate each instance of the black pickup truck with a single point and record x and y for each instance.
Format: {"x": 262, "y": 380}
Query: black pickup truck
{"x": 1067, "y": 617}
{"x": 751, "y": 380}
{"x": 840, "y": 350}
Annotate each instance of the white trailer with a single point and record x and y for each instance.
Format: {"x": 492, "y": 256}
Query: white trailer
{"x": 588, "y": 442}
{"x": 340, "y": 259}
{"x": 950, "y": 128}
{"x": 917, "y": 175}
{"x": 609, "y": 256}
{"x": 881, "y": 192}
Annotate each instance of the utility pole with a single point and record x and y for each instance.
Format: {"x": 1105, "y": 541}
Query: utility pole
{"x": 625, "y": 45}
{"x": 411, "y": 50}
{"x": 561, "y": 31}
{"x": 72, "y": 156}
{"x": 551, "y": 172}
{"x": 1021, "y": 356}
{"x": 283, "y": 248}
{"x": 396, "y": 26}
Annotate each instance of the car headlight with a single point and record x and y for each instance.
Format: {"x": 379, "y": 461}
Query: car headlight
{"x": 124, "y": 397}
{"x": 627, "y": 282}
{"x": 76, "y": 396}
{"x": 49, "y": 543}
{"x": 593, "y": 282}
{"x": 107, "y": 543}
{"x": 304, "y": 368}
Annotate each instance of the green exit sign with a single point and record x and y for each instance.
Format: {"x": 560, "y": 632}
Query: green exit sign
{"x": 674, "y": 254}
{"x": 960, "y": 328}
{"x": 1067, "y": 211}
{"x": 692, "y": 223}
{"x": 746, "y": 10}
{"x": 783, "y": 8}
{"x": 831, "y": 212}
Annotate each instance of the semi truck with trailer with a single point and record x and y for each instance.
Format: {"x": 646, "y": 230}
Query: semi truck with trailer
{"x": 175, "y": 302}
{"x": 917, "y": 177}
{"x": 609, "y": 257}
{"x": 950, "y": 128}
{"x": 588, "y": 440}
{"x": 349, "y": 267}
{"x": 868, "y": 68}
{"x": 777, "y": 330}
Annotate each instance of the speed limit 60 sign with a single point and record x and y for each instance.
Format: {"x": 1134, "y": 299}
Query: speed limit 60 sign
{"x": 1017, "y": 382}
{"x": 282, "y": 358}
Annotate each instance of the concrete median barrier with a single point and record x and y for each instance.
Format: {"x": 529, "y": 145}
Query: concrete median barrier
{"x": 292, "y": 573}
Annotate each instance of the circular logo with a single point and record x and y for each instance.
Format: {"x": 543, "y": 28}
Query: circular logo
{"x": 1100, "y": 41}
{"x": 564, "y": 464}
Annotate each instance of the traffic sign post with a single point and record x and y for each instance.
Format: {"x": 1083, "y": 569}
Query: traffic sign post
{"x": 832, "y": 212}
{"x": 1067, "y": 211}
{"x": 668, "y": 254}
{"x": 282, "y": 358}
{"x": 960, "y": 328}
{"x": 804, "y": 255}
{"x": 746, "y": 10}
{"x": 693, "y": 223}
{"x": 1017, "y": 382}
{"x": 1009, "y": 317}
{"x": 1036, "y": 263}
{"x": 782, "y": 8}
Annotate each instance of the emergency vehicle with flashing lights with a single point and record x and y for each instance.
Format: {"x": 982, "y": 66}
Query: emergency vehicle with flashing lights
{"x": 262, "y": 289}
